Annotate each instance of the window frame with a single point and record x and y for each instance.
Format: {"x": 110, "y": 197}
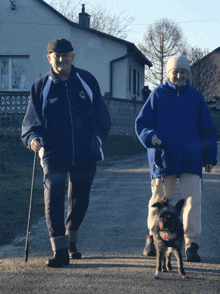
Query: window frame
{"x": 10, "y": 77}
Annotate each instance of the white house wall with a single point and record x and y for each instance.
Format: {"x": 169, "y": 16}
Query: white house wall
{"x": 95, "y": 55}
{"x": 139, "y": 69}
{"x": 119, "y": 70}
{"x": 121, "y": 81}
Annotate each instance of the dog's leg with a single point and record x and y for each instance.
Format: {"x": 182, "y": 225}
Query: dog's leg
{"x": 164, "y": 264}
{"x": 179, "y": 258}
{"x": 159, "y": 259}
{"x": 157, "y": 275}
{"x": 168, "y": 259}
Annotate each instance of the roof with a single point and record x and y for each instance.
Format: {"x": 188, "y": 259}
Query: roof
{"x": 207, "y": 55}
{"x": 216, "y": 50}
{"x": 131, "y": 47}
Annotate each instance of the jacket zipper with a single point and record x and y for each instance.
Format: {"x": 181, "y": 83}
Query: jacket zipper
{"x": 71, "y": 119}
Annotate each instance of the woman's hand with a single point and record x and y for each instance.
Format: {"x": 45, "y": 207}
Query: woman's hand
{"x": 208, "y": 168}
{"x": 155, "y": 140}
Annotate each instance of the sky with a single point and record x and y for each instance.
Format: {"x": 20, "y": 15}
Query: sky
{"x": 198, "y": 19}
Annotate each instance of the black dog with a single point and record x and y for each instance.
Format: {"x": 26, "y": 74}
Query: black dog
{"x": 168, "y": 236}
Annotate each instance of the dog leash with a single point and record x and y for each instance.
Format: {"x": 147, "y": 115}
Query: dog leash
{"x": 163, "y": 185}
{"x": 158, "y": 159}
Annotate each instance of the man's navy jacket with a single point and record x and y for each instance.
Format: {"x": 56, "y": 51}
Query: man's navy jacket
{"x": 70, "y": 116}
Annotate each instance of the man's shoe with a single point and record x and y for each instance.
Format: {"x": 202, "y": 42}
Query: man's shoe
{"x": 60, "y": 247}
{"x": 191, "y": 252}
{"x": 149, "y": 249}
{"x": 73, "y": 252}
{"x": 60, "y": 258}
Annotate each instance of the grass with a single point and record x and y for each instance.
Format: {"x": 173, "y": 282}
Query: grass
{"x": 15, "y": 176}
{"x": 16, "y": 164}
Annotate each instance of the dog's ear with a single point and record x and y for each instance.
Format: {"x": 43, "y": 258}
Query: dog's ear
{"x": 179, "y": 205}
{"x": 158, "y": 205}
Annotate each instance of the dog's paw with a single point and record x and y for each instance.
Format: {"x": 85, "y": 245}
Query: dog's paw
{"x": 157, "y": 275}
{"x": 183, "y": 276}
{"x": 167, "y": 270}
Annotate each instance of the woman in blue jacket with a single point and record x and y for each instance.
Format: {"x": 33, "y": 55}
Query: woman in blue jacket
{"x": 66, "y": 121}
{"x": 175, "y": 123}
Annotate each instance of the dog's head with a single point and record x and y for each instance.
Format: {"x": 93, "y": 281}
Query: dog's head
{"x": 168, "y": 222}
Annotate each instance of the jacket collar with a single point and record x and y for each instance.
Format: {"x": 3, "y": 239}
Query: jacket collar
{"x": 57, "y": 80}
{"x": 170, "y": 85}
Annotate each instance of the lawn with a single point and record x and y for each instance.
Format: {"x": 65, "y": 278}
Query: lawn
{"x": 16, "y": 164}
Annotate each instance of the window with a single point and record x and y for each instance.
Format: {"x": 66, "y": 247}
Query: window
{"x": 130, "y": 78}
{"x": 14, "y": 73}
{"x": 134, "y": 82}
{"x": 138, "y": 84}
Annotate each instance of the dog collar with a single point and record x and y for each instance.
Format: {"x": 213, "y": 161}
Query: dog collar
{"x": 167, "y": 235}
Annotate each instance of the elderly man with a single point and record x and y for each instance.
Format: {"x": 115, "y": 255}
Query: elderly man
{"x": 176, "y": 127}
{"x": 66, "y": 121}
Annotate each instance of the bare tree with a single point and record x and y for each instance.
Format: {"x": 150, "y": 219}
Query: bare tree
{"x": 117, "y": 25}
{"x": 205, "y": 75}
{"x": 70, "y": 9}
{"x": 163, "y": 39}
{"x": 195, "y": 53}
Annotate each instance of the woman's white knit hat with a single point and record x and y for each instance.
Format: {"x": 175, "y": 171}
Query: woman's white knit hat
{"x": 177, "y": 62}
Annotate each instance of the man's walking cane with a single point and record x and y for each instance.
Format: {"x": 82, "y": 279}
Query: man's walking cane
{"x": 30, "y": 205}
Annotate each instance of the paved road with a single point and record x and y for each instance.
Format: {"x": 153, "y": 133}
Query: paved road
{"x": 111, "y": 240}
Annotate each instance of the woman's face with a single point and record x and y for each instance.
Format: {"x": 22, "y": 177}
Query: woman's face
{"x": 178, "y": 76}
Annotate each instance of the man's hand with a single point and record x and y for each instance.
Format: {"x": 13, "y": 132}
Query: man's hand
{"x": 208, "y": 168}
{"x": 155, "y": 140}
{"x": 36, "y": 144}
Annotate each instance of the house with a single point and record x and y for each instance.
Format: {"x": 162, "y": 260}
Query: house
{"x": 206, "y": 77}
{"x": 27, "y": 26}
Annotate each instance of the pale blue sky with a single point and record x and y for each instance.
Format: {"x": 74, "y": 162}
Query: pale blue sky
{"x": 198, "y": 19}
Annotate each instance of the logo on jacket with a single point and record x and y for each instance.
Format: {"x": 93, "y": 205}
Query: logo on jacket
{"x": 82, "y": 95}
{"x": 52, "y": 100}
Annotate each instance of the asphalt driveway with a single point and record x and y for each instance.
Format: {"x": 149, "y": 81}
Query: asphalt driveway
{"x": 112, "y": 238}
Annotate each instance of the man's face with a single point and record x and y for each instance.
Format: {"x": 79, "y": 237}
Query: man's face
{"x": 178, "y": 76}
{"x": 61, "y": 62}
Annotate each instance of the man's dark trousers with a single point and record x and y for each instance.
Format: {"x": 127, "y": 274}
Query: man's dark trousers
{"x": 80, "y": 179}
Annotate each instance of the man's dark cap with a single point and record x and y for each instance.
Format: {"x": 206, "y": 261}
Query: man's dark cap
{"x": 59, "y": 45}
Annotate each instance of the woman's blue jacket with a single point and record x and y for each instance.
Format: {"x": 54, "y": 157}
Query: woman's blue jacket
{"x": 181, "y": 119}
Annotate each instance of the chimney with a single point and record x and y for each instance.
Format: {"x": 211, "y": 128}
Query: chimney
{"x": 13, "y": 4}
{"x": 84, "y": 18}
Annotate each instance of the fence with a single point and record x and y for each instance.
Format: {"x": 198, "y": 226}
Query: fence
{"x": 12, "y": 109}
{"x": 123, "y": 112}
